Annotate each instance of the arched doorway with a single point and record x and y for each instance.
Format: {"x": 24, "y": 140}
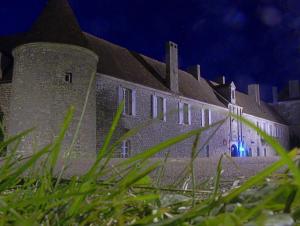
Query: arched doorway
{"x": 234, "y": 151}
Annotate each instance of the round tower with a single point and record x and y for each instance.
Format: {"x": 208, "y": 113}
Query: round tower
{"x": 52, "y": 72}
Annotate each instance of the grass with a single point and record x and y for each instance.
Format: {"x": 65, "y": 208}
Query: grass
{"x": 31, "y": 194}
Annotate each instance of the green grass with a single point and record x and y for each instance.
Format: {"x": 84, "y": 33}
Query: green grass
{"x": 31, "y": 194}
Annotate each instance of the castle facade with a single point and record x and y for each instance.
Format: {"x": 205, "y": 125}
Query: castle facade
{"x": 49, "y": 68}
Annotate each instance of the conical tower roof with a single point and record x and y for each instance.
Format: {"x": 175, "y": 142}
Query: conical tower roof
{"x": 57, "y": 23}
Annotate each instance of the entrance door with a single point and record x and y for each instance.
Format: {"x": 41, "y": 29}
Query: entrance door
{"x": 234, "y": 151}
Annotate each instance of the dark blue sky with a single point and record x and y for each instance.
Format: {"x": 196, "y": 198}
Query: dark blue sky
{"x": 248, "y": 41}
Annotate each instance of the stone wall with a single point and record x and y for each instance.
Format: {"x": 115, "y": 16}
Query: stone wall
{"x": 5, "y": 93}
{"x": 156, "y": 131}
{"x": 290, "y": 111}
{"x": 257, "y": 144}
{"x": 41, "y": 96}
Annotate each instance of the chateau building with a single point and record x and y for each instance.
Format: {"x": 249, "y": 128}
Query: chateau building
{"x": 49, "y": 68}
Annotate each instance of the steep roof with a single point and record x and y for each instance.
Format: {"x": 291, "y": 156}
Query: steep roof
{"x": 262, "y": 110}
{"x": 57, "y": 23}
{"x": 134, "y": 67}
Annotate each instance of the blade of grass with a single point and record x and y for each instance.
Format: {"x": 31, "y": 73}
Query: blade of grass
{"x": 276, "y": 146}
{"x": 217, "y": 179}
{"x": 257, "y": 178}
{"x": 166, "y": 144}
{"x": 10, "y": 179}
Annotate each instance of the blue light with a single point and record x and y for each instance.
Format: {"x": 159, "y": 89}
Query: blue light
{"x": 242, "y": 151}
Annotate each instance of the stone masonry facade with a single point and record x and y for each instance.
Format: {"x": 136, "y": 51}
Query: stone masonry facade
{"x": 43, "y": 74}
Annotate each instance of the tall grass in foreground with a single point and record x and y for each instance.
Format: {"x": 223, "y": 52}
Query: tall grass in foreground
{"x": 31, "y": 193}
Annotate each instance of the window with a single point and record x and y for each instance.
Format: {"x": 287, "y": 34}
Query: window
{"x": 232, "y": 94}
{"x": 207, "y": 151}
{"x": 129, "y": 97}
{"x": 128, "y": 101}
{"x": 69, "y": 77}
{"x": 270, "y": 130}
{"x": 250, "y": 152}
{"x": 206, "y": 117}
{"x": 258, "y": 151}
{"x": 264, "y": 127}
{"x": 185, "y": 114}
{"x": 126, "y": 149}
{"x": 265, "y": 152}
{"x": 159, "y": 105}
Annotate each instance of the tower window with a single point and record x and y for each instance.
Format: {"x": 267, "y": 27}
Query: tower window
{"x": 69, "y": 77}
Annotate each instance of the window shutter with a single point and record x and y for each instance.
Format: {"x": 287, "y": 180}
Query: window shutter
{"x": 202, "y": 117}
{"x": 180, "y": 113}
{"x": 190, "y": 114}
{"x": 165, "y": 109}
{"x": 133, "y": 102}
{"x": 209, "y": 117}
{"x": 154, "y": 106}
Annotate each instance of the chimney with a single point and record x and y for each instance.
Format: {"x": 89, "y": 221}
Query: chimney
{"x": 254, "y": 93}
{"x": 172, "y": 66}
{"x": 275, "y": 94}
{"x": 221, "y": 80}
{"x": 195, "y": 71}
{"x": 294, "y": 91}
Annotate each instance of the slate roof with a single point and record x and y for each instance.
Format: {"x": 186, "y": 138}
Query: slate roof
{"x": 263, "y": 110}
{"x": 57, "y": 23}
{"x": 134, "y": 67}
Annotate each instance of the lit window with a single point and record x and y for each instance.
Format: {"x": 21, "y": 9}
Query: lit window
{"x": 69, "y": 77}
{"x": 159, "y": 107}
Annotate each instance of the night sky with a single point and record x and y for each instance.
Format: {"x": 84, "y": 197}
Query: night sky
{"x": 248, "y": 41}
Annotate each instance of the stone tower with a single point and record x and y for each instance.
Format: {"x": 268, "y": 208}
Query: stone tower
{"x": 52, "y": 71}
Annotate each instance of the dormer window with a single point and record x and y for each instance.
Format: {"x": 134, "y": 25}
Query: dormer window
{"x": 69, "y": 77}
